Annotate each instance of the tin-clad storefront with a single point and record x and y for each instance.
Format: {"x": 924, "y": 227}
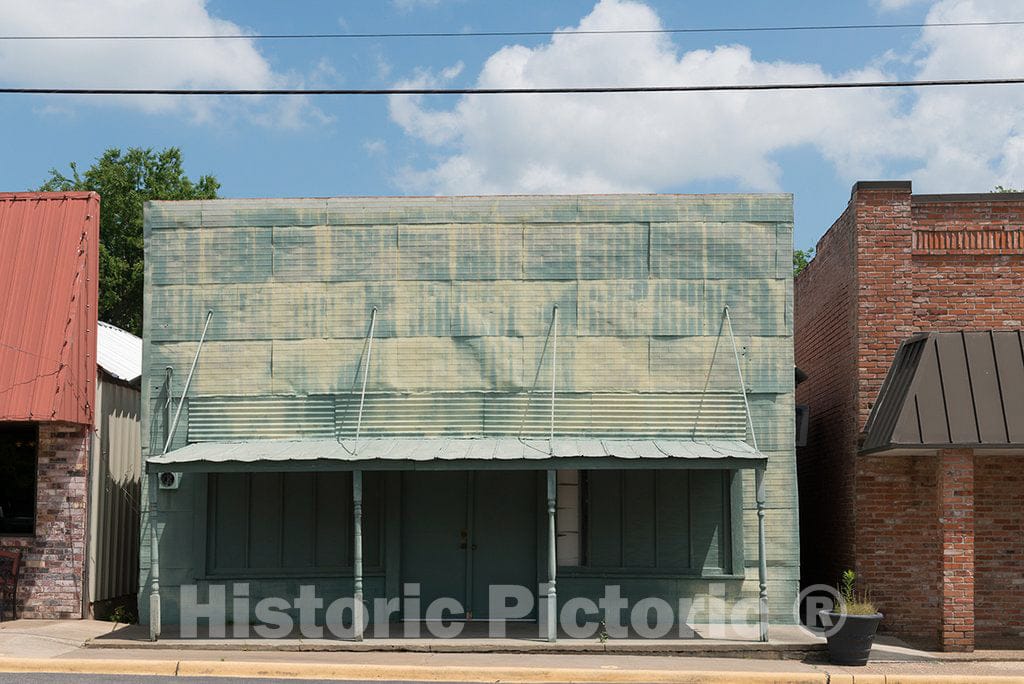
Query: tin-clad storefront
{"x": 456, "y": 393}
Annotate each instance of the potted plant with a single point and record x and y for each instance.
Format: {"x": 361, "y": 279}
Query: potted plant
{"x": 851, "y": 625}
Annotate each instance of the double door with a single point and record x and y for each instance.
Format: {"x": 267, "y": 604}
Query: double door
{"x": 464, "y": 531}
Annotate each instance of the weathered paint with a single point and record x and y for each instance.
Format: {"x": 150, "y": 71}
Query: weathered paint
{"x": 49, "y": 242}
{"x": 464, "y": 289}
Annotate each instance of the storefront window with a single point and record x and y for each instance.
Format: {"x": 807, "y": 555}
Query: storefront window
{"x": 18, "y": 449}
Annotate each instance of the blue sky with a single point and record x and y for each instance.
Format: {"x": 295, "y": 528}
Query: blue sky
{"x": 813, "y": 144}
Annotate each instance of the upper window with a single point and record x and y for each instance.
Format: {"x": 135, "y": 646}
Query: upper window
{"x": 18, "y": 447}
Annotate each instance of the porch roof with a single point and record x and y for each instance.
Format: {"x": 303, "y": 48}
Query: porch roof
{"x": 457, "y": 453}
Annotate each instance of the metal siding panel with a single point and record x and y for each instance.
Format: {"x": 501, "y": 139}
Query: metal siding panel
{"x": 928, "y": 399}
{"x": 612, "y": 251}
{"x": 239, "y": 254}
{"x": 335, "y": 253}
{"x": 956, "y": 389}
{"x": 615, "y": 308}
{"x": 984, "y": 378}
{"x": 550, "y": 252}
{"x": 515, "y": 309}
{"x": 1010, "y": 357}
{"x": 487, "y": 252}
{"x": 48, "y": 293}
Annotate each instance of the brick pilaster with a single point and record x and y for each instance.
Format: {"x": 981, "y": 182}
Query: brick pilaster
{"x": 956, "y": 530}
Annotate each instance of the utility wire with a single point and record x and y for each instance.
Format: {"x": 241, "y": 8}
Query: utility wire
{"x": 836, "y": 85}
{"x": 512, "y": 34}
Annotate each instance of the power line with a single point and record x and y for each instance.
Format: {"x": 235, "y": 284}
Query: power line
{"x": 837, "y": 85}
{"x": 514, "y": 34}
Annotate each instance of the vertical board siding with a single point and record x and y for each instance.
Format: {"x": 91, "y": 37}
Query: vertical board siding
{"x": 274, "y": 522}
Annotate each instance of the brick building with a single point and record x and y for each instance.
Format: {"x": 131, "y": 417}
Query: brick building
{"x": 49, "y": 246}
{"x": 934, "y": 525}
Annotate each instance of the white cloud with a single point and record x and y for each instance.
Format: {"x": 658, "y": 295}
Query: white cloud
{"x": 596, "y": 143}
{"x": 233, "y": 63}
{"x": 896, "y": 5}
{"x": 951, "y": 138}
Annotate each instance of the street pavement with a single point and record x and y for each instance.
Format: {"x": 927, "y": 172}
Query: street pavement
{"x": 62, "y": 645}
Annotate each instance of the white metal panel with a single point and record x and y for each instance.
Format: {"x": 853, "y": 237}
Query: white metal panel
{"x": 118, "y": 352}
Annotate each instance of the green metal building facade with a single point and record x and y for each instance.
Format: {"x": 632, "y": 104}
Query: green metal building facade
{"x": 478, "y": 387}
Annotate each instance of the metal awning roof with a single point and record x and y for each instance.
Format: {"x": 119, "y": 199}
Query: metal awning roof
{"x": 951, "y": 390}
{"x": 460, "y": 453}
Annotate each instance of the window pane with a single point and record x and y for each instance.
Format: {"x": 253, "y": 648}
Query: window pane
{"x": 18, "y": 447}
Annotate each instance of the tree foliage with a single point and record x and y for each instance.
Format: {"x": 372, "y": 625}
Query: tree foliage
{"x": 124, "y": 181}
{"x": 801, "y": 257}
{"x": 1000, "y": 188}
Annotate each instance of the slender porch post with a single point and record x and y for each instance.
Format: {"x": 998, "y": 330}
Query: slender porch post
{"x": 552, "y": 626}
{"x": 154, "y": 559}
{"x": 762, "y": 560}
{"x": 357, "y": 554}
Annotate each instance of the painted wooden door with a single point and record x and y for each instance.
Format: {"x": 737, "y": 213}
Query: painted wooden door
{"x": 434, "y": 547}
{"x": 504, "y": 534}
{"x": 464, "y": 531}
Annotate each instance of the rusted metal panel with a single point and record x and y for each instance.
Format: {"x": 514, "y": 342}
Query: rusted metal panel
{"x": 49, "y": 264}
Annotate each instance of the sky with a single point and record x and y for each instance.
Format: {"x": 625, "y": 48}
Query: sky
{"x": 812, "y": 144}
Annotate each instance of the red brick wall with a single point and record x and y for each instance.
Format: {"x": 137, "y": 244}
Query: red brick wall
{"x": 999, "y": 551}
{"x": 896, "y": 501}
{"x": 824, "y": 314}
{"x": 53, "y": 560}
{"x": 955, "y": 494}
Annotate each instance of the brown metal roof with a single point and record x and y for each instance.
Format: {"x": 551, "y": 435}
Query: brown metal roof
{"x": 952, "y": 389}
{"x": 48, "y": 289}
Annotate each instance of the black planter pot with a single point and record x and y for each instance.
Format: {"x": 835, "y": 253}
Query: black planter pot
{"x": 850, "y": 644}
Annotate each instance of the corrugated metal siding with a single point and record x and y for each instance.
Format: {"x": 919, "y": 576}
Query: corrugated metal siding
{"x": 114, "y": 493}
{"x": 118, "y": 352}
{"x": 49, "y": 246}
{"x": 717, "y": 415}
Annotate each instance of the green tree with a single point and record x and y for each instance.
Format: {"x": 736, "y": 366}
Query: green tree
{"x": 801, "y": 257}
{"x": 124, "y": 181}
{"x": 1000, "y": 188}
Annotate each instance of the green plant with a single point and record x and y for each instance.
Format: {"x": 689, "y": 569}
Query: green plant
{"x": 801, "y": 257}
{"x": 122, "y": 615}
{"x": 851, "y": 601}
{"x": 603, "y": 632}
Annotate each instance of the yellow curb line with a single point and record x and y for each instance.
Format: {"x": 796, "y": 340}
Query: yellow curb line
{"x": 505, "y": 675}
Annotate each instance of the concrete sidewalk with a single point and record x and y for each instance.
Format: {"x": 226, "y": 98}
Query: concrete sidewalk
{"x": 69, "y": 646}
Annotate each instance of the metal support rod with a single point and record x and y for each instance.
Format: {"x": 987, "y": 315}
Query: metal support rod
{"x": 366, "y": 373}
{"x": 743, "y": 386}
{"x": 169, "y": 404}
{"x": 762, "y": 559}
{"x": 552, "y": 611}
{"x": 152, "y": 480}
{"x": 554, "y": 368}
{"x": 188, "y": 382}
{"x": 357, "y": 554}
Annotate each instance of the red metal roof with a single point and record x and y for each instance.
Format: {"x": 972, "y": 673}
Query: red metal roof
{"x": 49, "y": 268}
